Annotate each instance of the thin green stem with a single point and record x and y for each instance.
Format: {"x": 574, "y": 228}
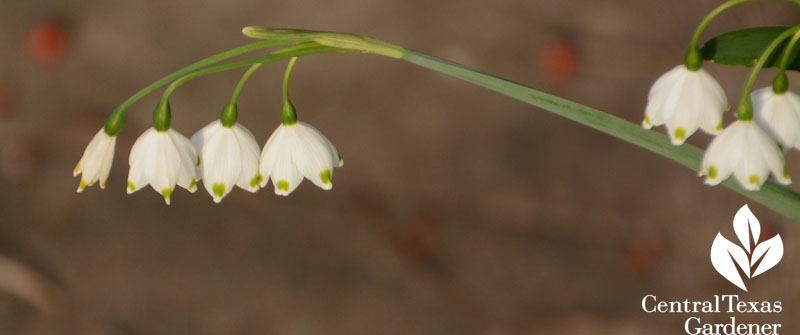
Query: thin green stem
{"x": 789, "y": 52}
{"x": 116, "y": 119}
{"x": 245, "y": 77}
{"x": 306, "y": 49}
{"x": 744, "y": 111}
{"x": 288, "y": 113}
{"x": 286, "y": 76}
{"x": 200, "y": 64}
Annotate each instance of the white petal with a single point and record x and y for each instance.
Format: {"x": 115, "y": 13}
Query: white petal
{"x": 161, "y": 165}
{"x": 136, "y": 177}
{"x": 665, "y": 94}
{"x": 770, "y": 154}
{"x": 778, "y": 115}
{"x": 715, "y": 104}
{"x": 142, "y": 144}
{"x": 723, "y": 154}
{"x": 312, "y": 155}
{"x": 285, "y": 176}
{"x": 187, "y": 160}
{"x": 107, "y": 160}
{"x": 198, "y": 141}
{"x": 684, "y": 119}
{"x": 95, "y": 164}
{"x": 753, "y": 169}
{"x": 269, "y": 156}
{"x": 249, "y": 177}
{"x": 223, "y": 163}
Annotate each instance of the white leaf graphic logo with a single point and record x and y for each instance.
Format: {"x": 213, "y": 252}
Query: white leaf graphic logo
{"x": 772, "y": 252}
{"x": 723, "y": 253}
{"x": 729, "y": 258}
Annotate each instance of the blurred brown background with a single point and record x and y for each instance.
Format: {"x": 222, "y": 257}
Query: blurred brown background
{"x": 459, "y": 211}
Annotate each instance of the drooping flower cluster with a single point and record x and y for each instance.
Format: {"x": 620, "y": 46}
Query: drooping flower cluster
{"x": 220, "y": 156}
{"x": 223, "y": 154}
{"x": 749, "y": 148}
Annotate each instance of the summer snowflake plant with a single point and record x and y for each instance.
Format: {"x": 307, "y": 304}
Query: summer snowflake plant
{"x": 686, "y": 98}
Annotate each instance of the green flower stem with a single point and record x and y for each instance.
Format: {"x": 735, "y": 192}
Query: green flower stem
{"x": 230, "y": 113}
{"x": 693, "y": 59}
{"x": 245, "y": 77}
{"x": 744, "y": 111}
{"x": 288, "y": 113}
{"x": 116, "y": 119}
{"x": 296, "y": 50}
{"x": 789, "y": 52}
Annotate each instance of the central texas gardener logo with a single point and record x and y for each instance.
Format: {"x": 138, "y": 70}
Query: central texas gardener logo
{"x": 750, "y": 258}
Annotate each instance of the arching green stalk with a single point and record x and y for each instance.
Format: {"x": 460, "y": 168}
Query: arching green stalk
{"x": 162, "y": 109}
{"x": 298, "y": 50}
{"x": 114, "y": 121}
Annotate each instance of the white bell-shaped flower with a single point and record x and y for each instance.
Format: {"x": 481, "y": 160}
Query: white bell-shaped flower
{"x": 746, "y": 151}
{"x": 229, "y": 156}
{"x": 298, "y": 150}
{"x": 779, "y": 115}
{"x": 162, "y": 159}
{"x": 685, "y": 100}
{"x": 95, "y": 164}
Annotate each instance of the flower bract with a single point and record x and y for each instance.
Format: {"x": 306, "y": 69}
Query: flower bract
{"x": 162, "y": 159}
{"x": 684, "y": 101}
{"x": 746, "y": 151}
{"x": 229, "y": 156}
{"x": 296, "y": 151}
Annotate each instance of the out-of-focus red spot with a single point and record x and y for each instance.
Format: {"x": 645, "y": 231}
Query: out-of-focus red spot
{"x": 643, "y": 255}
{"x": 47, "y": 42}
{"x": 7, "y": 101}
{"x": 417, "y": 240}
{"x": 558, "y": 61}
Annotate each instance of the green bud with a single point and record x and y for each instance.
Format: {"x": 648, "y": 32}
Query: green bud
{"x": 114, "y": 122}
{"x": 229, "y": 115}
{"x": 288, "y": 114}
{"x": 162, "y": 116}
{"x": 744, "y": 111}
{"x": 693, "y": 59}
{"x": 780, "y": 84}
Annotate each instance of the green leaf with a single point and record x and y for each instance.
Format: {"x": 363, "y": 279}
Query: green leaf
{"x": 744, "y": 47}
